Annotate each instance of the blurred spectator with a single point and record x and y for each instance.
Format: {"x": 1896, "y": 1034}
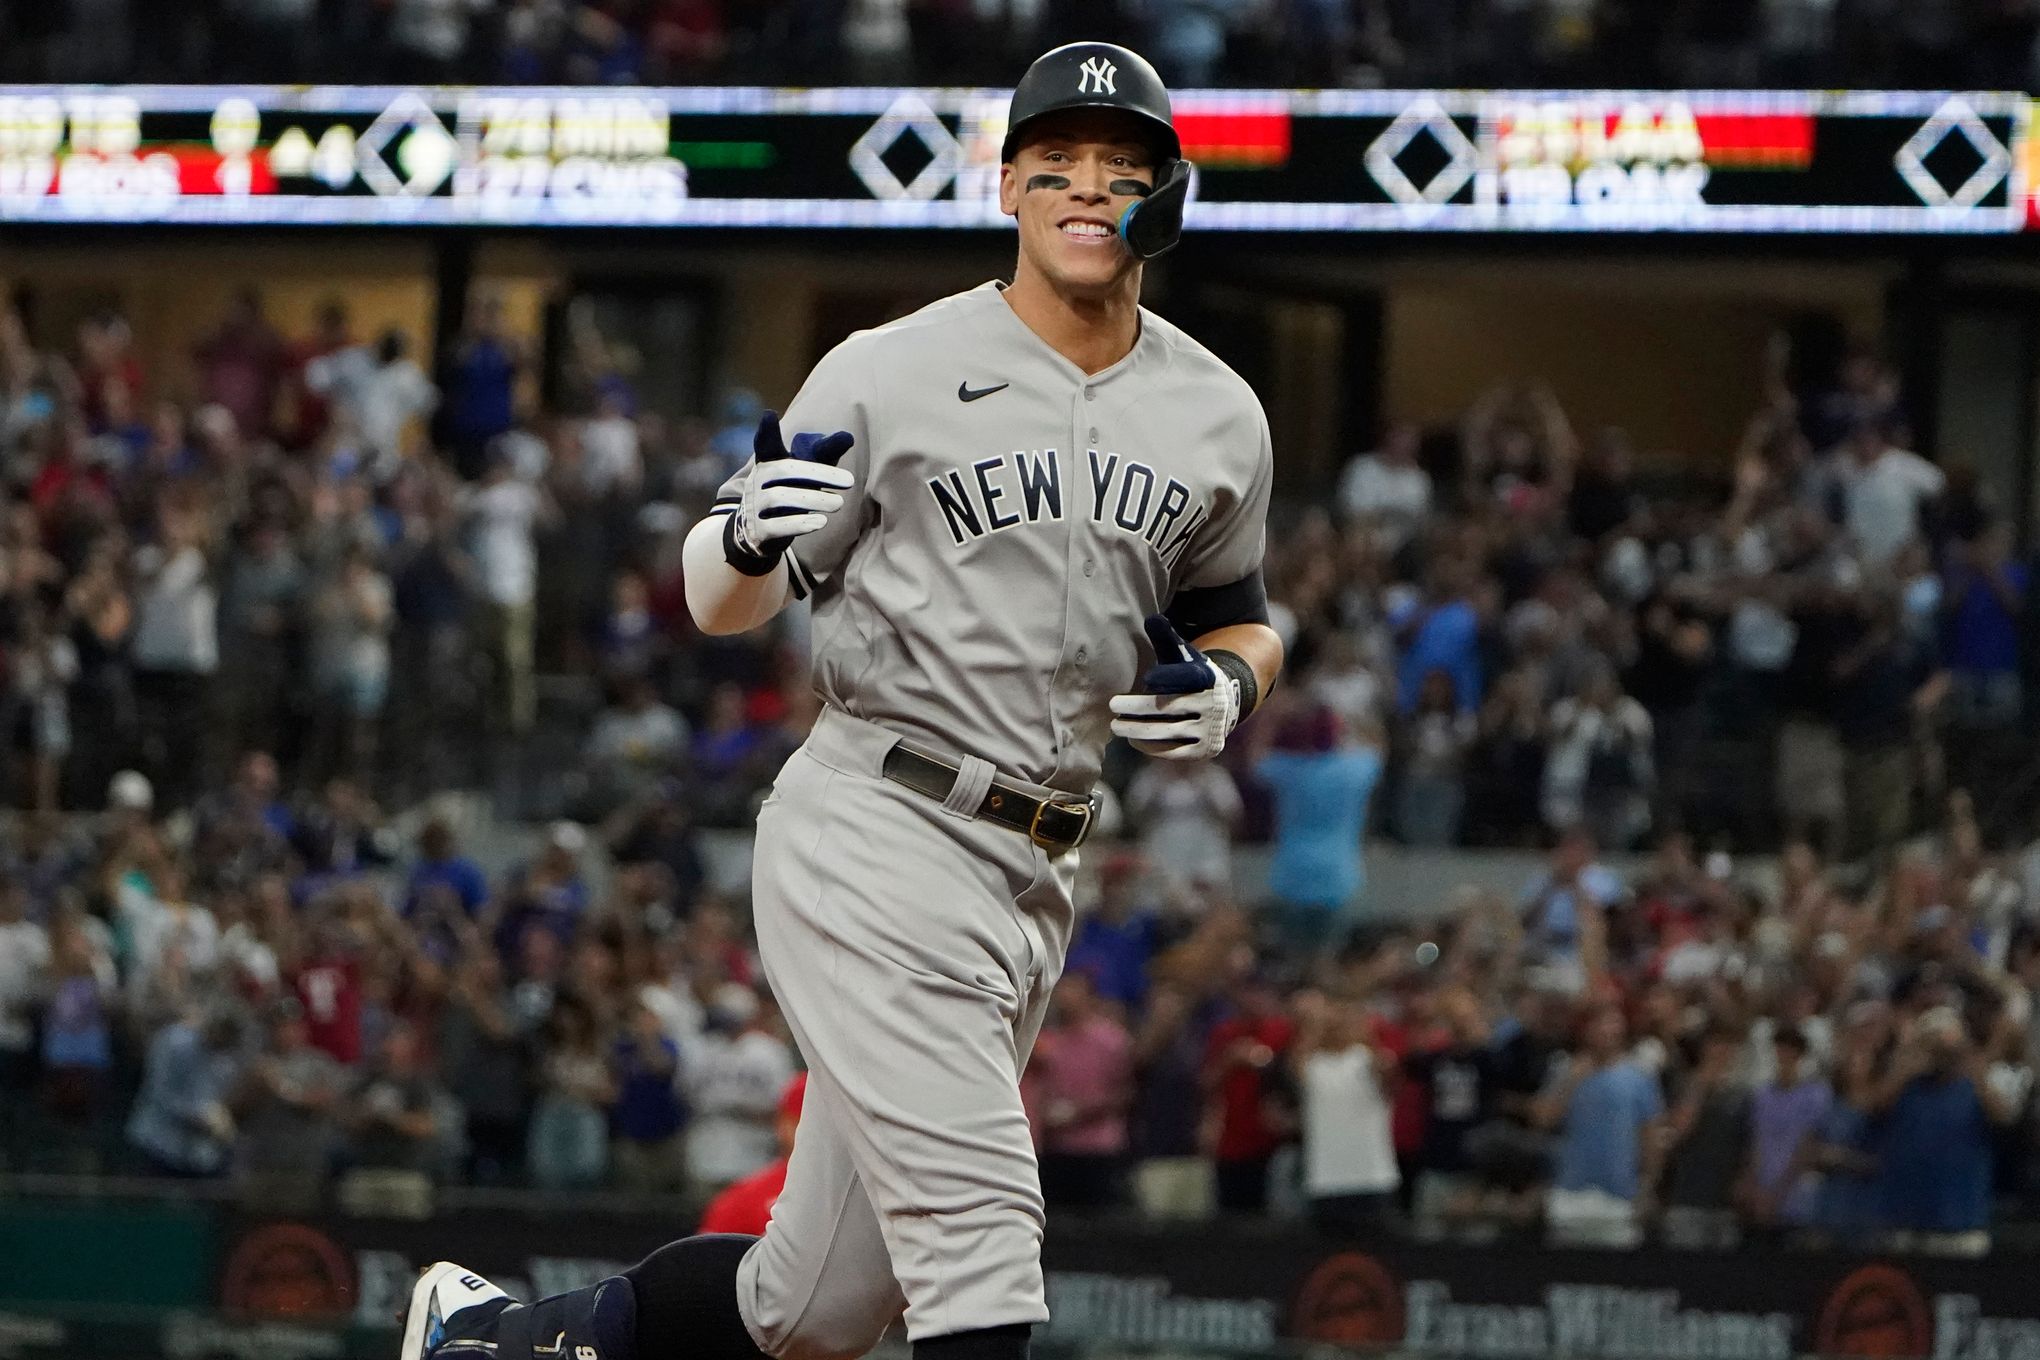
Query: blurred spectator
{"x": 1115, "y": 940}
{"x": 1323, "y": 777}
{"x": 636, "y": 742}
{"x": 176, "y": 651}
{"x": 241, "y": 364}
{"x": 485, "y": 1054}
{"x": 1342, "y": 1075}
{"x": 734, "y": 1078}
{"x": 107, "y": 363}
{"x": 1599, "y": 772}
{"x": 43, "y": 667}
{"x": 1188, "y": 812}
{"x": 288, "y": 1105}
{"x": 551, "y": 893}
{"x": 728, "y": 751}
{"x": 612, "y": 464}
{"x": 77, "y": 1041}
{"x": 1785, "y": 1114}
{"x": 173, "y": 944}
{"x": 1172, "y": 1179}
{"x": 569, "y": 1138}
{"x": 342, "y": 834}
{"x": 1431, "y": 779}
{"x": 313, "y": 412}
{"x": 394, "y": 1110}
{"x": 630, "y": 644}
{"x": 1083, "y": 1061}
{"x": 24, "y": 957}
{"x": 350, "y": 616}
{"x": 746, "y": 1207}
{"x": 503, "y": 514}
{"x": 265, "y": 583}
{"x": 441, "y": 866}
{"x": 481, "y": 399}
{"x": 1843, "y": 1149}
{"x": 1707, "y": 1139}
{"x": 1883, "y": 489}
{"x": 1387, "y": 490}
{"x": 645, "y": 1122}
{"x": 1459, "y": 1079}
{"x": 376, "y": 393}
{"x": 1985, "y": 598}
{"x": 1811, "y": 789}
{"x": 657, "y": 834}
{"x": 328, "y": 987}
{"x": 180, "y": 1123}
{"x": 1938, "y": 1107}
{"x": 1441, "y": 634}
{"x": 1885, "y": 685}
{"x": 1606, "y": 1109}
{"x": 1238, "y": 1057}
{"x": 1604, "y": 497}
{"x": 1567, "y": 902}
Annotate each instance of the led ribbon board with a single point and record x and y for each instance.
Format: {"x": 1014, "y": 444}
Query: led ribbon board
{"x": 1319, "y": 161}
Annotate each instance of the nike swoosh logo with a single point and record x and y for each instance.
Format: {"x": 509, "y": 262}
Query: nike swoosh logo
{"x": 964, "y": 391}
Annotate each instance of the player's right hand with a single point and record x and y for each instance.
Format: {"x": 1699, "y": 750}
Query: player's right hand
{"x": 789, "y": 493}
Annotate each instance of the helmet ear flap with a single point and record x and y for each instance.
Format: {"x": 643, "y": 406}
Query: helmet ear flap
{"x": 1153, "y": 224}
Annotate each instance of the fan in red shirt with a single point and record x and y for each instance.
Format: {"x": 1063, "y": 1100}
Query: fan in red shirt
{"x": 1242, "y": 1049}
{"x": 746, "y": 1207}
{"x": 328, "y": 986}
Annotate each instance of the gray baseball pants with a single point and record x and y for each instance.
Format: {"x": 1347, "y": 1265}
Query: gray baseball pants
{"x": 912, "y": 949}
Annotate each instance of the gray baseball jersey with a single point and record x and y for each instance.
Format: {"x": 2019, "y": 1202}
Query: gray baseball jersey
{"x": 1014, "y": 519}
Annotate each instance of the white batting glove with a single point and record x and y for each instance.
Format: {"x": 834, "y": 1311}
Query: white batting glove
{"x": 1187, "y": 707}
{"x": 788, "y": 494}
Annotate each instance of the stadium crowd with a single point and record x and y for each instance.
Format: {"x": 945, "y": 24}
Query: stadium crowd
{"x": 1953, "y": 44}
{"x": 293, "y": 579}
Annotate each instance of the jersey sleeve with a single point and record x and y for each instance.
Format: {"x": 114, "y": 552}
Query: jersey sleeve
{"x": 838, "y": 395}
{"x": 1228, "y": 550}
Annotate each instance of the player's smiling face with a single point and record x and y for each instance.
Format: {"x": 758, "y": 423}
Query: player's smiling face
{"x": 1068, "y": 183}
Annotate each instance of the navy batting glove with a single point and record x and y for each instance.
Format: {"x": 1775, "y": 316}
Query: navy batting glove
{"x": 1187, "y": 704}
{"x": 1179, "y": 667}
{"x": 769, "y": 446}
{"x": 789, "y": 493}
{"x": 807, "y": 448}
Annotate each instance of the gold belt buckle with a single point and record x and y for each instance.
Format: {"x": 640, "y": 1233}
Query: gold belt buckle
{"x": 1075, "y": 809}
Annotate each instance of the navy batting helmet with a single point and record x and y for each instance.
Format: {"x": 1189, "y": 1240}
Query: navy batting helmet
{"x": 1092, "y": 75}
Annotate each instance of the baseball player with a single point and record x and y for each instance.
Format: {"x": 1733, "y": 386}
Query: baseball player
{"x": 1028, "y": 518}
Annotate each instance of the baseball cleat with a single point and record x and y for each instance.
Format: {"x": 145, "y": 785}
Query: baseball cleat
{"x": 447, "y": 1314}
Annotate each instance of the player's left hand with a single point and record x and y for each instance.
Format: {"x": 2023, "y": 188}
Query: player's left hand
{"x": 1187, "y": 706}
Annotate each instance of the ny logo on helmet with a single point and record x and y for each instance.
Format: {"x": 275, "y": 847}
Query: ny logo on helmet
{"x": 1097, "y": 77}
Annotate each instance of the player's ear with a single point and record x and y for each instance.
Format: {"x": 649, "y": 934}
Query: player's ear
{"x": 1009, "y": 190}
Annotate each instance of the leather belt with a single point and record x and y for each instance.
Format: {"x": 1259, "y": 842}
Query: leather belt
{"x": 1057, "y": 822}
